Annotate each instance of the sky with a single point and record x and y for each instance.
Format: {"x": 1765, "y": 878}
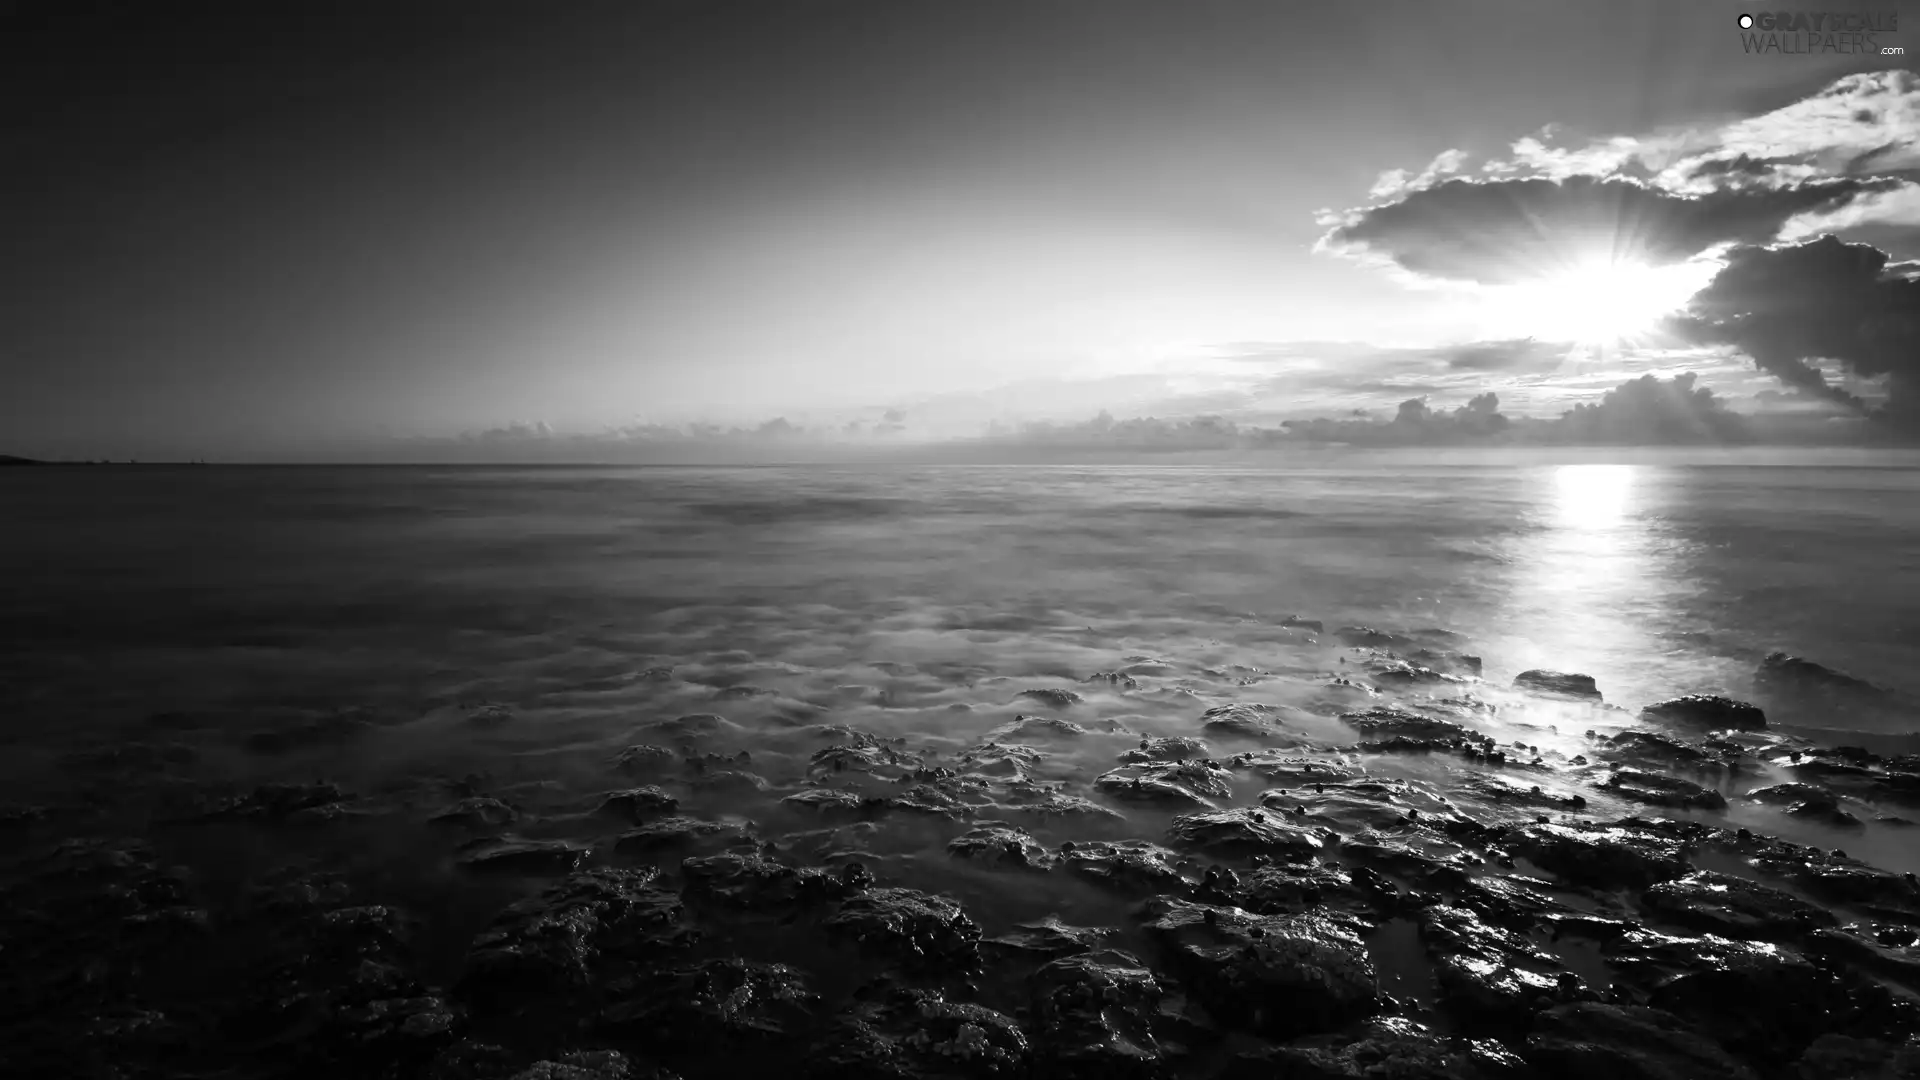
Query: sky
{"x": 254, "y": 231}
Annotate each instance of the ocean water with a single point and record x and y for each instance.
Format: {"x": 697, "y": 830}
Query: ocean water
{"x": 166, "y": 629}
{"x": 156, "y": 589}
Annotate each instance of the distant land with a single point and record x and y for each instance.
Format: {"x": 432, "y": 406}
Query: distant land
{"x": 9, "y": 459}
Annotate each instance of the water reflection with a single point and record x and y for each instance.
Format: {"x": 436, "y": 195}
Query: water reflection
{"x": 1594, "y": 578}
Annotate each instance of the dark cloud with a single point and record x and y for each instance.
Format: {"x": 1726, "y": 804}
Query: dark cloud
{"x": 1789, "y": 306}
{"x": 1506, "y": 231}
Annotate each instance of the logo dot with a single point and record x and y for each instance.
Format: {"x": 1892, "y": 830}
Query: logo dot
{"x": 1746, "y": 22}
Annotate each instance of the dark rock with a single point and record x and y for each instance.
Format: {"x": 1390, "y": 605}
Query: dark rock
{"x": 1486, "y": 973}
{"x": 743, "y": 1005}
{"x": 1735, "y": 907}
{"x": 1241, "y": 721}
{"x": 1051, "y": 697}
{"x": 1658, "y": 790}
{"x": 559, "y": 941}
{"x": 1247, "y": 832}
{"x": 691, "y": 728}
{"x": 1295, "y": 622}
{"x": 731, "y": 780}
{"x": 638, "y": 803}
{"x": 1791, "y": 676}
{"x": 490, "y": 716}
{"x": 1385, "y": 722}
{"x": 1607, "y": 856}
{"x": 1059, "y": 805}
{"x": 1660, "y": 751}
{"x": 1175, "y": 748}
{"x": 1001, "y": 846}
{"x": 756, "y": 883}
{"x": 1096, "y": 1016}
{"x": 1709, "y": 711}
{"x": 337, "y": 730}
{"x": 671, "y": 832}
{"x": 1842, "y": 1057}
{"x": 1049, "y": 938}
{"x": 875, "y": 758}
{"x": 1001, "y": 759}
{"x": 1282, "y": 976}
{"x": 476, "y": 812}
{"x": 909, "y": 927}
{"x": 645, "y": 758}
{"x": 501, "y": 855}
{"x": 586, "y": 1065}
{"x": 916, "y": 1034}
{"x": 1118, "y": 680}
{"x": 1036, "y": 727}
{"x": 1176, "y": 783}
{"x": 925, "y": 799}
{"x": 1385, "y": 1048}
{"x": 1558, "y": 684}
{"x": 1594, "y": 1041}
{"x": 826, "y": 802}
{"x": 1292, "y": 769}
{"x": 1127, "y": 866}
{"x": 1788, "y": 794}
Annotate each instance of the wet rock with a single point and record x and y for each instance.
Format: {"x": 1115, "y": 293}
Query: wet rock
{"x": 1368, "y": 637}
{"x": 1051, "y": 697}
{"x": 1607, "y": 856}
{"x": 1559, "y": 684}
{"x": 476, "y": 812}
{"x": 1734, "y": 907}
{"x": 1385, "y": 722}
{"x": 743, "y": 1005}
{"x": 1487, "y": 973}
{"x": 826, "y": 802}
{"x": 490, "y": 716}
{"x": 1295, "y": 622}
{"x": 1658, "y": 790}
{"x": 1175, "y": 748}
{"x": 1127, "y": 866}
{"x": 1709, "y": 711}
{"x": 1355, "y": 805}
{"x": 587, "y": 1065}
{"x": 1049, "y": 938}
{"x": 1282, "y": 888}
{"x": 1402, "y": 673}
{"x": 274, "y": 802}
{"x": 671, "y": 832}
{"x": 502, "y": 855}
{"x": 1189, "y": 783}
{"x": 1842, "y": 1057}
{"x": 692, "y": 727}
{"x": 1001, "y": 759}
{"x": 757, "y": 883}
{"x": 1840, "y": 880}
{"x": 1292, "y": 769}
{"x": 1247, "y": 832}
{"x": 1059, "y": 805}
{"x": 645, "y": 758}
{"x": 1036, "y": 727}
{"x": 1001, "y": 846}
{"x": 1787, "y": 794}
{"x": 1451, "y": 663}
{"x": 1095, "y": 1018}
{"x": 1385, "y": 1048}
{"x": 1117, "y": 680}
{"x": 1660, "y": 751}
{"x": 561, "y": 940}
{"x": 875, "y": 758}
{"x": 1241, "y": 721}
{"x": 1595, "y": 1041}
{"x": 638, "y": 803}
{"x": 909, "y": 927}
{"x": 734, "y": 781}
{"x": 1283, "y": 976}
{"x": 1766, "y": 1002}
{"x": 924, "y": 799}
{"x": 1827, "y": 811}
{"x": 1500, "y": 791}
{"x": 915, "y": 1034}
{"x": 1791, "y": 676}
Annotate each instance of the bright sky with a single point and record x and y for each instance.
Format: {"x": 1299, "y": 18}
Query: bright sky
{"x": 242, "y": 234}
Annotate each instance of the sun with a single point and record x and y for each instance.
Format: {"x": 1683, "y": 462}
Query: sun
{"x": 1596, "y": 300}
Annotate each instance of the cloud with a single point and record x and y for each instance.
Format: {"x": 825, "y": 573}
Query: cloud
{"x": 1792, "y": 305}
{"x": 1843, "y": 159}
{"x": 1495, "y": 232}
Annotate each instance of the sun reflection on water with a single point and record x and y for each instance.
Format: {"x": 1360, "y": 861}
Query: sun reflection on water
{"x": 1592, "y": 496}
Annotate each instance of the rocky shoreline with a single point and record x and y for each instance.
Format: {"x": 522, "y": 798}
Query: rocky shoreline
{"x": 1398, "y": 871}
